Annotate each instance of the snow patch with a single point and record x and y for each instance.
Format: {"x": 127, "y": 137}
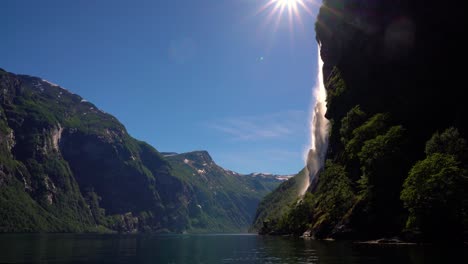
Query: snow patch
{"x": 231, "y": 172}
{"x": 50, "y": 83}
{"x": 54, "y": 85}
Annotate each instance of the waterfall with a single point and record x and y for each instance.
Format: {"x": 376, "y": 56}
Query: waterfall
{"x": 319, "y": 125}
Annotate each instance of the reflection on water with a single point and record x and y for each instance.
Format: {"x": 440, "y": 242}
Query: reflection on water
{"x": 70, "y": 248}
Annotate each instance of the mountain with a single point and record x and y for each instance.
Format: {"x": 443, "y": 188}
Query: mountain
{"x": 275, "y": 204}
{"x": 397, "y": 157}
{"x": 67, "y": 166}
{"x": 223, "y": 199}
{"x": 270, "y": 176}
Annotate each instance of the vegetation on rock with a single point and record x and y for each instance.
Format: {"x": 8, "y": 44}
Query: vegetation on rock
{"x": 66, "y": 166}
{"x": 387, "y": 96}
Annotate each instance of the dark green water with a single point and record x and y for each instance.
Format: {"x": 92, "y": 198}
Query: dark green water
{"x": 69, "y": 248}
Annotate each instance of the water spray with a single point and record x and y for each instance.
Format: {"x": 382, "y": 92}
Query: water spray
{"x": 319, "y": 126}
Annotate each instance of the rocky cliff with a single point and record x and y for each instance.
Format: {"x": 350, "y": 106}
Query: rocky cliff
{"x": 392, "y": 91}
{"x": 67, "y": 166}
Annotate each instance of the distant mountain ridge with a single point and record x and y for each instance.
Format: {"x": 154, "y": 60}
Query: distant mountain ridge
{"x": 253, "y": 174}
{"x": 222, "y": 199}
{"x": 277, "y": 203}
{"x": 270, "y": 175}
{"x": 67, "y": 166}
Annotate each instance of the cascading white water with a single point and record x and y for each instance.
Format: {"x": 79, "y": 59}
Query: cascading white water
{"x": 319, "y": 125}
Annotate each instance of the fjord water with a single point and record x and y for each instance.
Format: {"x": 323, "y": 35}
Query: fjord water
{"x": 89, "y": 248}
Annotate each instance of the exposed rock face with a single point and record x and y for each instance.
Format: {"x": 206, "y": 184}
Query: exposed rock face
{"x": 78, "y": 165}
{"x": 392, "y": 57}
{"x": 402, "y": 50}
{"x": 391, "y": 81}
{"x": 56, "y": 136}
{"x": 67, "y": 166}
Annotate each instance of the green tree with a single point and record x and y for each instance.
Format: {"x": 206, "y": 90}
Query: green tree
{"x": 433, "y": 194}
{"x": 334, "y": 198}
{"x": 449, "y": 142}
{"x": 353, "y": 119}
{"x": 376, "y": 125}
{"x": 297, "y": 219}
{"x": 361, "y": 131}
{"x": 382, "y": 161}
{"x": 377, "y": 157}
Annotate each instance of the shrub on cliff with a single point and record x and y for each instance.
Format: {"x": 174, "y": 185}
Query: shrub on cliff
{"x": 433, "y": 194}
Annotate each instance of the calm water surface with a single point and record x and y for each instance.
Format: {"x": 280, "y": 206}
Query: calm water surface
{"x": 86, "y": 248}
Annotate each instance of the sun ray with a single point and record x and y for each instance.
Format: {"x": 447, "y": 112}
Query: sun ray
{"x": 291, "y": 8}
{"x": 290, "y": 18}
{"x": 266, "y": 6}
{"x": 291, "y": 11}
{"x": 305, "y": 7}
{"x": 279, "y": 15}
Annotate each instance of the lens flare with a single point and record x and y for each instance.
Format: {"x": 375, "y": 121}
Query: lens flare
{"x": 289, "y": 3}
{"x": 293, "y": 8}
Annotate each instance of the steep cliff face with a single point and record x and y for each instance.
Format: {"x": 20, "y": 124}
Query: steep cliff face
{"x": 392, "y": 83}
{"x": 38, "y": 190}
{"x": 78, "y": 165}
{"x": 391, "y": 86}
{"x": 394, "y": 56}
{"x": 66, "y": 166}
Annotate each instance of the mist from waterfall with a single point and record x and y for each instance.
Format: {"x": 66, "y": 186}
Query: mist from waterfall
{"x": 319, "y": 126}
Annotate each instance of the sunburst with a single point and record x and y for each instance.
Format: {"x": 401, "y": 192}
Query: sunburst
{"x": 293, "y": 8}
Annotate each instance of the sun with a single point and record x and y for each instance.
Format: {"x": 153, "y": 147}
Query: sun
{"x": 290, "y": 4}
{"x": 292, "y": 8}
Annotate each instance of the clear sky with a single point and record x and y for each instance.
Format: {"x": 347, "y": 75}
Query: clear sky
{"x": 182, "y": 75}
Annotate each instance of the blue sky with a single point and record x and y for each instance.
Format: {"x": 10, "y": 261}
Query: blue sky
{"x": 182, "y": 75}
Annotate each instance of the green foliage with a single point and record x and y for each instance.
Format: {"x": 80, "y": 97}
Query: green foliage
{"x": 277, "y": 203}
{"x": 373, "y": 127}
{"x": 99, "y": 214}
{"x": 377, "y": 157}
{"x": 333, "y": 200}
{"x": 353, "y": 119}
{"x": 339, "y": 86}
{"x": 337, "y": 93}
{"x": 401, "y": 80}
{"x": 296, "y": 220}
{"x": 436, "y": 186}
{"x": 20, "y": 213}
{"x": 320, "y": 211}
{"x": 222, "y": 201}
{"x": 380, "y": 208}
{"x": 449, "y": 142}
{"x": 334, "y": 193}
{"x": 97, "y": 177}
{"x": 433, "y": 194}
